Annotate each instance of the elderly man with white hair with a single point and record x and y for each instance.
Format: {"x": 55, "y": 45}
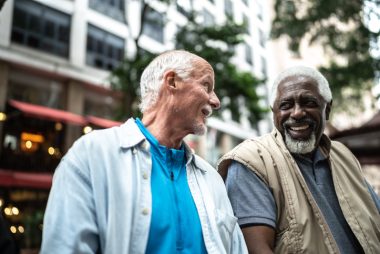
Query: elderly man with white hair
{"x": 294, "y": 190}
{"x": 139, "y": 188}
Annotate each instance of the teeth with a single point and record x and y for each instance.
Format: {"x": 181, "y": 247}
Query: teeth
{"x": 299, "y": 128}
{"x": 207, "y": 112}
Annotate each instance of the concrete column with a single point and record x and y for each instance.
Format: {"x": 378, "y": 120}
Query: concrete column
{"x": 75, "y": 104}
{"x": 4, "y": 74}
{"x": 6, "y": 23}
{"x": 225, "y": 143}
{"x": 202, "y": 146}
{"x": 78, "y": 35}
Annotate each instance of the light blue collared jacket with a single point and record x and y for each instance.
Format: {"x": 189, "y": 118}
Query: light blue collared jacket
{"x": 100, "y": 201}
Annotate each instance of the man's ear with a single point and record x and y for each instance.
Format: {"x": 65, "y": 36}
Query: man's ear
{"x": 169, "y": 79}
{"x": 328, "y": 109}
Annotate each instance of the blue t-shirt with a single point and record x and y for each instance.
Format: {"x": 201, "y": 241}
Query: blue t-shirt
{"x": 175, "y": 226}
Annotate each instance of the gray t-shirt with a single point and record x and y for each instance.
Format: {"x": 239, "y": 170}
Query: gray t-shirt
{"x": 254, "y": 204}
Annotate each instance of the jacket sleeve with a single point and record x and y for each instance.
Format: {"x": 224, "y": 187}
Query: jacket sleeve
{"x": 238, "y": 242}
{"x": 70, "y": 222}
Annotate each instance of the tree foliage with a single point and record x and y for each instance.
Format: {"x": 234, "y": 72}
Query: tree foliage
{"x": 340, "y": 28}
{"x": 235, "y": 88}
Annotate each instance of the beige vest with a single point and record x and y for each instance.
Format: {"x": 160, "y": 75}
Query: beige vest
{"x": 301, "y": 227}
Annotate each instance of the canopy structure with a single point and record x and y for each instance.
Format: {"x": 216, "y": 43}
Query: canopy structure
{"x": 48, "y": 113}
{"x": 363, "y": 141}
{"x": 10, "y": 178}
{"x": 51, "y": 114}
{"x": 101, "y": 122}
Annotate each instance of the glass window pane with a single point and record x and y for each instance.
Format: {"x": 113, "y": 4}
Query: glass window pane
{"x": 17, "y": 36}
{"x": 34, "y": 23}
{"x": 99, "y": 47}
{"x": 109, "y": 51}
{"x": 90, "y": 43}
{"x": 33, "y": 41}
{"x": 104, "y": 50}
{"x": 111, "y": 8}
{"x": 153, "y": 26}
{"x": 42, "y": 27}
{"x": 49, "y": 29}
{"x": 98, "y": 63}
{"x": 64, "y": 34}
{"x": 19, "y": 18}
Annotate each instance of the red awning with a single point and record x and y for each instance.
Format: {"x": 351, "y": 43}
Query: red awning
{"x": 101, "y": 122}
{"x": 9, "y": 178}
{"x": 48, "y": 113}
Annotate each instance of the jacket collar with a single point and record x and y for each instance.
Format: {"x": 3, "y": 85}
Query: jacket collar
{"x": 129, "y": 136}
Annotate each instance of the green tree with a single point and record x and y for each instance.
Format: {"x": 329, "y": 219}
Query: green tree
{"x": 126, "y": 77}
{"x": 339, "y": 27}
{"x": 236, "y": 89}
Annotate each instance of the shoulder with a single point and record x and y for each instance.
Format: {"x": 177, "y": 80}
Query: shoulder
{"x": 98, "y": 138}
{"x": 342, "y": 152}
{"x": 92, "y": 150}
{"x": 339, "y": 147}
{"x": 209, "y": 173}
{"x": 202, "y": 164}
{"x": 249, "y": 153}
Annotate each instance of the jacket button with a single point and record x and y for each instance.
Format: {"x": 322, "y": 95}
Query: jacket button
{"x": 145, "y": 175}
{"x": 145, "y": 211}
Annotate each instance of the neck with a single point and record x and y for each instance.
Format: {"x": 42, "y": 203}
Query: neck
{"x": 163, "y": 129}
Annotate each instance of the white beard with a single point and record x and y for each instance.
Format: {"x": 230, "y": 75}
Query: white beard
{"x": 300, "y": 146}
{"x": 199, "y": 129}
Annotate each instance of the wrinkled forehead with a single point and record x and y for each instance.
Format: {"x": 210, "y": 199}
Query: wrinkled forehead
{"x": 297, "y": 80}
{"x": 293, "y": 85}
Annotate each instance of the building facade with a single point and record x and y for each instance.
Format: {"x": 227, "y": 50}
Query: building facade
{"x": 55, "y": 61}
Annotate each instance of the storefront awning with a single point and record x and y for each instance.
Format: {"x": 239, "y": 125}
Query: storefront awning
{"x": 48, "y": 113}
{"x": 101, "y": 122}
{"x": 9, "y": 178}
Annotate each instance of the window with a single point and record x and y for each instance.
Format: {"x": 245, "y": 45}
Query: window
{"x": 228, "y": 8}
{"x": 184, "y": 7}
{"x": 41, "y": 27}
{"x": 248, "y": 54}
{"x": 154, "y": 25}
{"x": 264, "y": 66}
{"x": 260, "y": 11}
{"x": 100, "y": 105}
{"x": 111, "y": 8}
{"x": 48, "y": 94}
{"x": 208, "y": 18}
{"x": 262, "y": 38}
{"x": 246, "y": 23}
{"x": 104, "y": 50}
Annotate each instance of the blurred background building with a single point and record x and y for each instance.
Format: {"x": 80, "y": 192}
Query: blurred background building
{"x": 55, "y": 61}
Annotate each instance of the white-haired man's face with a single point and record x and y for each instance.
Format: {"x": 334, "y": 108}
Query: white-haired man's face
{"x": 300, "y": 113}
{"x": 195, "y": 99}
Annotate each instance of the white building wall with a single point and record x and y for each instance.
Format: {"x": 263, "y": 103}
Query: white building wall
{"x": 81, "y": 15}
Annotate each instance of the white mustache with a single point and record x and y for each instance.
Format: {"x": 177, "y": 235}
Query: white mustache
{"x": 208, "y": 110}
